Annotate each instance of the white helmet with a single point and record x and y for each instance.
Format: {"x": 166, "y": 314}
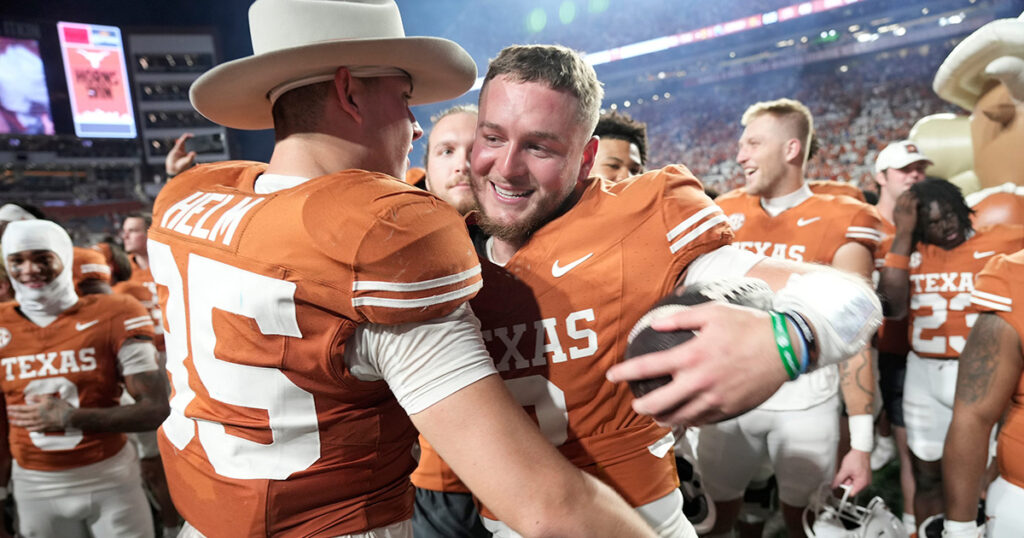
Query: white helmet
{"x": 827, "y": 516}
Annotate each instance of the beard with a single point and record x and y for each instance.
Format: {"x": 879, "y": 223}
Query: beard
{"x": 520, "y": 231}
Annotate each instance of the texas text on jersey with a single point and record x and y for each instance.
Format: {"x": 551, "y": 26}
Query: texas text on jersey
{"x": 557, "y": 315}
{"x": 941, "y": 282}
{"x": 75, "y": 357}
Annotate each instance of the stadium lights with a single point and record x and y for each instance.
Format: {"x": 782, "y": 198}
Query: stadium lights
{"x": 899, "y": 32}
{"x": 854, "y": 28}
{"x": 866, "y": 37}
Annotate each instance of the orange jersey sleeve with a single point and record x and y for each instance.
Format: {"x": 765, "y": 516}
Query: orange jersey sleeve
{"x": 75, "y": 359}
{"x": 260, "y": 294}
{"x": 1000, "y": 290}
{"x": 812, "y": 231}
{"x": 88, "y": 264}
{"x": 557, "y": 315}
{"x": 941, "y": 283}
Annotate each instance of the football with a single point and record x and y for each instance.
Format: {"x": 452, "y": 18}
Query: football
{"x": 643, "y": 339}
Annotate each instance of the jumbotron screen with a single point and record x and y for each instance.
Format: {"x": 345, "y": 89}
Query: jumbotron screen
{"x": 24, "y": 99}
{"x": 97, "y": 77}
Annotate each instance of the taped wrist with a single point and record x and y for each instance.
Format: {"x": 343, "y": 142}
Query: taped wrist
{"x": 862, "y": 432}
{"x": 841, "y": 309}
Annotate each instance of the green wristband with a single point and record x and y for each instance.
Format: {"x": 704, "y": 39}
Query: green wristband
{"x": 784, "y": 345}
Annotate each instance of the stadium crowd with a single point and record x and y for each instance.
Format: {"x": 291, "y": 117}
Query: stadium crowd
{"x": 315, "y": 346}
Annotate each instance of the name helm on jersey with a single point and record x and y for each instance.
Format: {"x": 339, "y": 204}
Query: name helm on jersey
{"x": 828, "y": 516}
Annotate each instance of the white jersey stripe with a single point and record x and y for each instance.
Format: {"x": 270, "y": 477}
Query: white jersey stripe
{"x": 135, "y": 320}
{"x": 95, "y": 268}
{"x": 989, "y": 304}
{"x": 138, "y": 325}
{"x": 421, "y": 302}
{"x": 993, "y": 297}
{"x": 375, "y": 285}
{"x": 694, "y": 234}
{"x": 693, "y": 219}
{"x": 874, "y": 238}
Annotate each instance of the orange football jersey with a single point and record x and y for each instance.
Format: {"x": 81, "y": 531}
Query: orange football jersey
{"x": 269, "y": 432}
{"x": 892, "y": 335}
{"x": 74, "y": 358}
{"x": 88, "y": 264}
{"x": 941, "y": 282}
{"x": 1000, "y": 289}
{"x": 557, "y": 316}
{"x": 812, "y": 231}
{"x": 830, "y": 186}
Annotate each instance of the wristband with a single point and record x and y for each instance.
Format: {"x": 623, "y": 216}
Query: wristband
{"x": 897, "y": 261}
{"x": 806, "y": 339}
{"x": 961, "y": 529}
{"x": 862, "y": 432}
{"x": 784, "y": 345}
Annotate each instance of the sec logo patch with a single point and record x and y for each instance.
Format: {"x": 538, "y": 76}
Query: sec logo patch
{"x": 5, "y": 336}
{"x": 736, "y": 220}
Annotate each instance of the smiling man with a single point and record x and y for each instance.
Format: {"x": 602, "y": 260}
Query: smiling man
{"x": 928, "y": 277}
{"x": 571, "y": 262}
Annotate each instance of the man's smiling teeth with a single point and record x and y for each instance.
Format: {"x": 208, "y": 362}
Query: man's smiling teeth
{"x": 510, "y": 194}
{"x": 749, "y": 171}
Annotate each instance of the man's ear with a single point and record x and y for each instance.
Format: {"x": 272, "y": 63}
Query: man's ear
{"x": 881, "y": 179}
{"x": 589, "y": 155}
{"x": 344, "y": 87}
{"x": 794, "y": 150}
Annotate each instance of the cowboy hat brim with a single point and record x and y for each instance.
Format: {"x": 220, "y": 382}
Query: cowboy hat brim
{"x": 235, "y": 94}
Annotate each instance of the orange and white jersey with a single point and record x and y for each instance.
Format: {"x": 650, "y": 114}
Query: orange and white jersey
{"x": 74, "y": 358}
{"x": 88, "y": 264}
{"x": 941, "y": 282}
{"x": 144, "y": 277}
{"x": 261, "y": 295}
{"x": 810, "y": 230}
{"x": 999, "y": 289}
{"x": 892, "y": 335}
{"x": 557, "y": 316}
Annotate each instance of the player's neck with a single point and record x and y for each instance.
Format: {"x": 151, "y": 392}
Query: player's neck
{"x": 141, "y": 259}
{"x": 315, "y": 154}
{"x": 499, "y": 251}
{"x": 885, "y": 207}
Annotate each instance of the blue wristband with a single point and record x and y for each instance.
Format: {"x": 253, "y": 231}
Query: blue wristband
{"x": 805, "y": 356}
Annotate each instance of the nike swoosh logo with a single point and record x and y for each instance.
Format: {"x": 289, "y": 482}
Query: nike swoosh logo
{"x": 805, "y": 222}
{"x": 83, "y": 326}
{"x": 557, "y": 270}
{"x": 980, "y": 255}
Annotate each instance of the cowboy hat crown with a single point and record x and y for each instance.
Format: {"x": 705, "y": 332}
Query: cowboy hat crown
{"x": 294, "y": 40}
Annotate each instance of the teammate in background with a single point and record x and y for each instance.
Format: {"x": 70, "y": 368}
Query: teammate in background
{"x": 327, "y": 303}
{"x": 928, "y": 277}
{"x": 178, "y": 158}
{"x": 66, "y": 358}
{"x": 447, "y": 156}
{"x": 146, "y": 444}
{"x": 621, "y": 147}
{"x": 797, "y": 429}
{"x": 990, "y": 380}
{"x": 897, "y": 167}
{"x": 571, "y": 262}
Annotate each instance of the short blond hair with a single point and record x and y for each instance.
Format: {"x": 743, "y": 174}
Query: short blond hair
{"x": 790, "y": 111}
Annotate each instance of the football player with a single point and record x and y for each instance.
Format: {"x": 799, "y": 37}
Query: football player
{"x": 447, "y": 157}
{"x": 928, "y": 277}
{"x": 990, "y": 379}
{"x": 797, "y": 429}
{"x": 621, "y": 147}
{"x": 63, "y": 360}
{"x": 570, "y": 264}
{"x": 316, "y": 306}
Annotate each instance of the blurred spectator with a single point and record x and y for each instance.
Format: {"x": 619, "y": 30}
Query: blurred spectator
{"x": 622, "y": 149}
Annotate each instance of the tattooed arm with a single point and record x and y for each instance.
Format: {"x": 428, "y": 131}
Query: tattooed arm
{"x": 990, "y": 367}
{"x": 47, "y": 414}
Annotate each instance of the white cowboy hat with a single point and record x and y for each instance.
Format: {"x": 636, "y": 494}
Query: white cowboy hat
{"x": 294, "y": 40}
{"x": 994, "y": 51}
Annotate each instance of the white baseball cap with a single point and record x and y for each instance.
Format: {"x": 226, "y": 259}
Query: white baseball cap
{"x": 898, "y": 155}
